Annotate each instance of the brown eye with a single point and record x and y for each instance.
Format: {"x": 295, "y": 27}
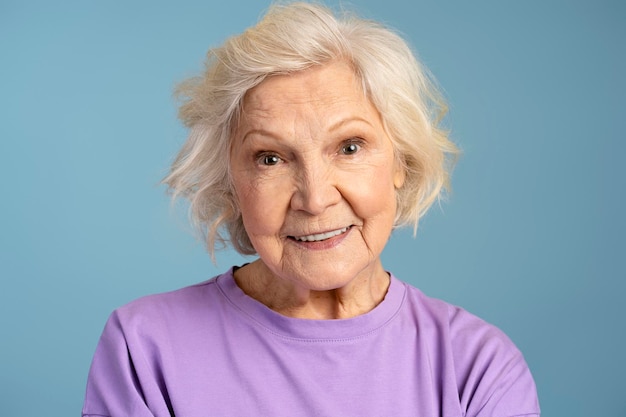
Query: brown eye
{"x": 350, "y": 148}
{"x": 269, "y": 160}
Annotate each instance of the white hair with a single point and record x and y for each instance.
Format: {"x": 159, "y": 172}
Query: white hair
{"x": 290, "y": 38}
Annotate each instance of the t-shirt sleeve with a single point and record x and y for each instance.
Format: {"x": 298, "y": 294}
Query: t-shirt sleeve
{"x": 119, "y": 384}
{"x": 492, "y": 375}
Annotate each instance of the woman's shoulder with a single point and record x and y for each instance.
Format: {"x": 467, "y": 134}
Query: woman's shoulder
{"x": 461, "y": 326}
{"x": 469, "y": 341}
{"x": 183, "y": 304}
{"x": 489, "y": 369}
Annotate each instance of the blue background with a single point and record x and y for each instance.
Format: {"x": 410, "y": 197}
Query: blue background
{"x": 531, "y": 239}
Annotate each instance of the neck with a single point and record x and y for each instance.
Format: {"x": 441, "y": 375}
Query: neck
{"x": 291, "y": 299}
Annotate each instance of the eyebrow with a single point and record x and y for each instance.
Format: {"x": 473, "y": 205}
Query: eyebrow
{"x": 335, "y": 126}
{"x": 261, "y": 132}
{"x": 348, "y": 120}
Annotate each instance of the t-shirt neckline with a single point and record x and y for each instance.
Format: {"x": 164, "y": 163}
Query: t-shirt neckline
{"x": 309, "y": 329}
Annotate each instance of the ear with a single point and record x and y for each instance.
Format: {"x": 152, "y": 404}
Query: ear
{"x": 399, "y": 175}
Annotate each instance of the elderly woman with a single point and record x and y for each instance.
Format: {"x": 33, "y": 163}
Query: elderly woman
{"x": 311, "y": 138}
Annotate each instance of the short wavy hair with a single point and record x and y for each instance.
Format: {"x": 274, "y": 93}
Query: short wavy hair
{"x": 290, "y": 38}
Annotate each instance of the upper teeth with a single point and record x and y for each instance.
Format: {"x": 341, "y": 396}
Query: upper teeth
{"x": 320, "y": 236}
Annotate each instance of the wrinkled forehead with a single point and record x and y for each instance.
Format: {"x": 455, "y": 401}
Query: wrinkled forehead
{"x": 322, "y": 90}
{"x": 312, "y": 84}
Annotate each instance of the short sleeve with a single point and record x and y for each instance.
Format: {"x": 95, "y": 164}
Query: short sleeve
{"x": 492, "y": 375}
{"x": 115, "y": 385}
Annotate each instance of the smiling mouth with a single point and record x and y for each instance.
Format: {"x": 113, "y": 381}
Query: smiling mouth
{"x": 320, "y": 236}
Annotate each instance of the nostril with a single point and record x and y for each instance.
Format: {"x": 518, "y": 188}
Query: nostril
{"x": 315, "y": 197}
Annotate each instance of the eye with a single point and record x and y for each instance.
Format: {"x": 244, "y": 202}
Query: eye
{"x": 351, "y": 147}
{"x": 268, "y": 159}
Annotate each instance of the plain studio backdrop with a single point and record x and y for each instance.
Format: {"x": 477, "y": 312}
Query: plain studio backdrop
{"x": 531, "y": 238}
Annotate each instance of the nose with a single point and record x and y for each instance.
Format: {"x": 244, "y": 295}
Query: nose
{"x": 316, "y": 189}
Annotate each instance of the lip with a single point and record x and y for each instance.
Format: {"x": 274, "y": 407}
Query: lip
{"x": 323, "y": 240}
{"x": 318, "y": 237}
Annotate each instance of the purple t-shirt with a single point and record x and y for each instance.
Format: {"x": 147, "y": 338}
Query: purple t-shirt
{"x": 210, "y": 350}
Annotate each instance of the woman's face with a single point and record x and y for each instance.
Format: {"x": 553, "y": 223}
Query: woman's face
{"x": 315, "y": 177}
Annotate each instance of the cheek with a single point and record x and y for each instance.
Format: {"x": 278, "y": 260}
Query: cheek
{"x": 262, "y": 207}
{"x": 381, "y": 188}
{"x": 373, "y": 199}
